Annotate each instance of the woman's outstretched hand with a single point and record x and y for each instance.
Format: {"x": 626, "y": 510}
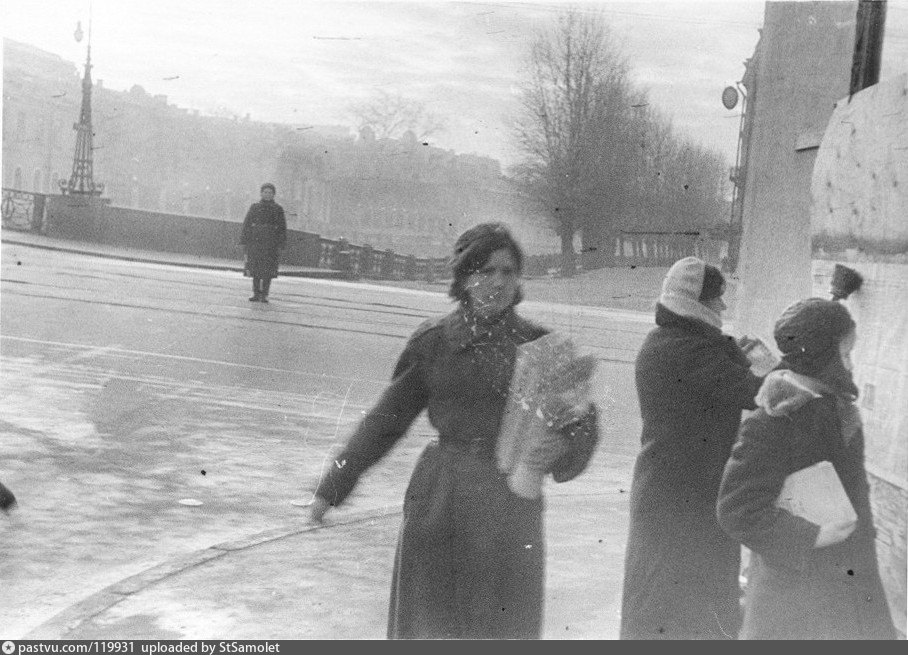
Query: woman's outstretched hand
{"x": 317, "y": 509}
{"x": 558, "y": 415}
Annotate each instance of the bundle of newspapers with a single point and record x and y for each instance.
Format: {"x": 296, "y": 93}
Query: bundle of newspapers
{"x": 549, "y": 376}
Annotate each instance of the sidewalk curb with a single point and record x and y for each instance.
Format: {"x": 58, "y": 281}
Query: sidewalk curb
{"x": 75, "y": 615}
{"x": 314, "y": 273}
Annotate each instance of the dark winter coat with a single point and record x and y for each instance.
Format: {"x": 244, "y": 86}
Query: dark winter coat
{"x": 470, "y": 559}
{"x": 796, "y": 591}
{"x": 681, "y": 570}
{"x": 264, "y": 234}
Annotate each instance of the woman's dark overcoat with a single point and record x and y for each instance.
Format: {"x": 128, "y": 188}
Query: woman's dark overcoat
{"x": 681, "y": 571}
{"x": 264, "y": 234}
{"x": 796, "y": 591}
{"x": 470, "y": 559}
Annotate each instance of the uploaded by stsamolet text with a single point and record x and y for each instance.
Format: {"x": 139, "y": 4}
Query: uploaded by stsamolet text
{"x": 127, "y": 647}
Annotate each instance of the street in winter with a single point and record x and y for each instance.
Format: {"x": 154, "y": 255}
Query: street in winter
{"x": 129, "y": 388}
{"x": 453, "y": 320}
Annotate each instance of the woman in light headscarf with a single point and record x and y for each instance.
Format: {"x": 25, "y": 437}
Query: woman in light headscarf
{"x": 471, "y": 555}
{"x": 806, "y": 581}
{"x": 681, "y": 571}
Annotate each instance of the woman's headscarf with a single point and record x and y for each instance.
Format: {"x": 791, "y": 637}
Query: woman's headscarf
{"x": 687, "y": 284}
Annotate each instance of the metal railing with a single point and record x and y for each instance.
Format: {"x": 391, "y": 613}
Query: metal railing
{"x": 366, "y": 262}
{"x": 23, "y": 210}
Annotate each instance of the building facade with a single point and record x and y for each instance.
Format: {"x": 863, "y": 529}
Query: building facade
{"x": 150, "y": 154}
{"x": 382, "y": 191}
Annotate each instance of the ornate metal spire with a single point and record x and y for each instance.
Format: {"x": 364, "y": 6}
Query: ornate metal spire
{"x": 82, "y": 179}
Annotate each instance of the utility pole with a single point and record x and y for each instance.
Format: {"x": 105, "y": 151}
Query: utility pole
{"x": 868, "y": 44}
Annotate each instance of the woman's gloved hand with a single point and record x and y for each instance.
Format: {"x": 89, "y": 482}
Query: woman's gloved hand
{"x": 549, "y": 450}
{"x": 317, "y": 509}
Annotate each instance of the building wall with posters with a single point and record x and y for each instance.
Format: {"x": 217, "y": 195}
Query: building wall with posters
{"x": 860, "y": 220}
{"x": 825, "y": 184}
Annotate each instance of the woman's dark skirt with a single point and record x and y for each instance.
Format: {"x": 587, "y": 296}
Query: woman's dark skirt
{"x": 470, "y": 560}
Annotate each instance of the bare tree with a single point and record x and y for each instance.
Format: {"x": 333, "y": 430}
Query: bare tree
{"x": 390, "y": 115}
{"x": 608, "y": 185}
{"x": 598, "y": 156}
{"x": 576, "y": 81}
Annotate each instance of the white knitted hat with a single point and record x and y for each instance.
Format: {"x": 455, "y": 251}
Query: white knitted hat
{"x": 681, "y": 290}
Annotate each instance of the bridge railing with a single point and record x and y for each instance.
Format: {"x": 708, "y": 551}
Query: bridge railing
{"x": 37, "y": 212}
{"x": 22, "y": 210}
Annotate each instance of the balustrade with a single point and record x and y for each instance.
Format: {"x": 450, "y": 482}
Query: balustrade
{"x": 22, "y": 210}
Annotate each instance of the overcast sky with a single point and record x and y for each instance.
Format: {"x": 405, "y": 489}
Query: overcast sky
{"x": 306, "y": 62}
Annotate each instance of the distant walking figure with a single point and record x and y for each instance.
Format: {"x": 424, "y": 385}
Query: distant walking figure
{"x": 807, "y": 581}
{"x": 681, "y": 570}
{"x": 264, "y": 234}
{"x": 470, "y": 558}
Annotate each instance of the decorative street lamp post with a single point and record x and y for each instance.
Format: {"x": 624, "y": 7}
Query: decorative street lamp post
{"x": 737, "y": 174}
{"x": 81, "y": 182}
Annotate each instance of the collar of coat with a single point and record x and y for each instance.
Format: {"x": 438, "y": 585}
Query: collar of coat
{"x": 666, "y": 317}
{"x": 463, "y": 330}
{"x": 784, "y": 392}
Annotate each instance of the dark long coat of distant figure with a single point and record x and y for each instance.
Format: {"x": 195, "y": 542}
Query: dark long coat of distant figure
{"x": 681, "y": 570}
{"x": 264, "y": 234}
{"x": 470, "y": 558}
{"x": 796, "y": 591}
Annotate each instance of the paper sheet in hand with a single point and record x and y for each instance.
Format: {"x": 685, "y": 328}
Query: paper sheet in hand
{"x": 544, "y": 369}
{"x": 762, "y": 360}
{"x": 816, "y": 494}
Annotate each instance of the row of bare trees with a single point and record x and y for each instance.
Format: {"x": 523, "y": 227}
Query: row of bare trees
{"x": 389, "y": 115}
{"x": 597, "y": 156}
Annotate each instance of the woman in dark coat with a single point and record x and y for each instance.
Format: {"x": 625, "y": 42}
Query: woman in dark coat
{"x": 681, "y": 571}
{"x": 470, "y": 558}
{"x": 806, "y": 581}
{"x": 264, "y": 234}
